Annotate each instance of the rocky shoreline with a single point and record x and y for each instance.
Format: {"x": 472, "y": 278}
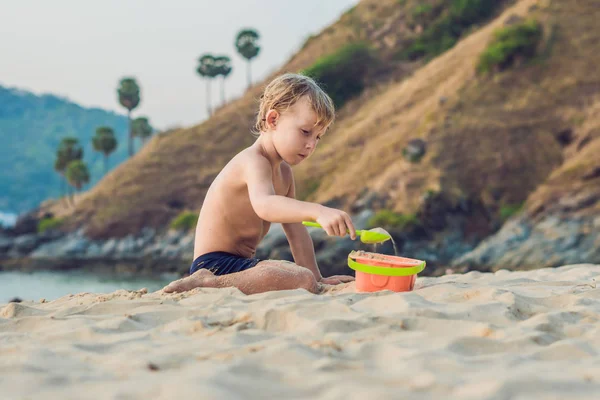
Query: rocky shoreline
{"x": 153, "y": 252}
{"x": 445, "y": 239}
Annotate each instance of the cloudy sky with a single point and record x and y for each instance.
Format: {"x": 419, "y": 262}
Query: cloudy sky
{"x": 81, "y": 48}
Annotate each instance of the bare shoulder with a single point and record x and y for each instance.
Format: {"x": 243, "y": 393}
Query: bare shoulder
{"x": 251, "y": 163}
{"x": 249, "y": 157}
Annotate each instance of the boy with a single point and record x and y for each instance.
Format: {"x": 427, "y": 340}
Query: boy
{"x": 257, "y": 188}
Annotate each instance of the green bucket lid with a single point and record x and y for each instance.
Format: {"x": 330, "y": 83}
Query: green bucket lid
{"x": 387, "y": 271}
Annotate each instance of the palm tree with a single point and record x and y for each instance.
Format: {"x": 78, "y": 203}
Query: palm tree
{"x": 206, "y": 69}
{"x": 129, "y": 97}
{"x": 60, "y": 166}
{"x": 105, "y": 142}
{"x": 142, "y": 129}
{"x": 77, "y": 175}
{"x": 246, "y": 44}
{"x": 69, "y": 150}
{"x": 223, "y": 66}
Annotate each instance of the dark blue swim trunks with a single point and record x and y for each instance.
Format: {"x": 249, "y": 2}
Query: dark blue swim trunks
{"x": 222, "y": 263}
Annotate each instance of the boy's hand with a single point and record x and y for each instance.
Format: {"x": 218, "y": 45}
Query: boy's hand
{"x": 336, "y": 222}
{"x": 337, "y": 279}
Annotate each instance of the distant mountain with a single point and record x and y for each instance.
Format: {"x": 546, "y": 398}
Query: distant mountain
{"x": 31, "y": 128}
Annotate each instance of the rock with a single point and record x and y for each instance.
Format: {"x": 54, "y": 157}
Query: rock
{"x": 94, "y": 250}
{"x": 148, "y": 233}
{"x": 153, "y": 251}
{"x": 26, "y": 224}
{"x": 173, "y": 236}
{"x": 369, "y": 200}
{"x": 50, "y": 235}
{"x": 262, "y": 253}
{"x": 126, "y": 247}
{"x": 170, "y": 252}
{"x": 281, "y": 253}
{"x": 443, "y": 100}
{"x": 25, "y": 243}
{"x": 49, "y": 250}
{"x": 139, "y": 243}
{"x": 565, "y": 137}
{"x": 513, "y": 19}
{"x": 333, "y": 259}
{"x": 5, "y": 244}
{"x": 109, "y": 247}
{"x": 549, "y": 242}
{"x": 274, "y": 238}
{"x": 415, "y": 150}
{"x": 15, "y": 300}
{"x": 75, "y": 246}
{"x": 186, "y": 243}
{"x": 361, "y": 220}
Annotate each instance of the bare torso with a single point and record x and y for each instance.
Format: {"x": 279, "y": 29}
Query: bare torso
{"x": 227, "y": 221}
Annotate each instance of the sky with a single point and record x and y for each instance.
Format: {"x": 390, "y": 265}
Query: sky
{"x": 80, "y": 49}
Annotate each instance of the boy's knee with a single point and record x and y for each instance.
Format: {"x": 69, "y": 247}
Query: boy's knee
{"x": 306, "y": 280}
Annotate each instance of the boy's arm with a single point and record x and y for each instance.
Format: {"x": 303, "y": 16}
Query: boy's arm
{"x": 303, "y": 249}
{"x": 283, "y": 209}
{"x": 270, "y": 206}
{"x": 300, "y": 242}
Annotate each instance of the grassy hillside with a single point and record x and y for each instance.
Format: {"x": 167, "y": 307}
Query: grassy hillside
{"x": 492, "y": 136}
{"x": 31, "y": 127}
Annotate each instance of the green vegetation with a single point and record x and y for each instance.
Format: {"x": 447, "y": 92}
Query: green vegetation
{"x": 391, "y": 219}
{"x": 421, "y": 10}
{"x": 508, "y": 210}
{"x": 77, "y": 174}
{"x": 69, "y": 151}
{"x": 141, "y": 128}
{"x": 210, "y": 67}
{"x": 49, "y": 223}
{"x": 224, "y": 68}
{"x": 207, "y": 70}
{"x": 185, "y": 221}
{"x": 105, "y": 142}
{"x": 246, "y": 44}
{"x": 509, "y": 44}
{"x": 343, "y": 73}
{"x": 129, "y": 97}
{"x": 445, "y": 30}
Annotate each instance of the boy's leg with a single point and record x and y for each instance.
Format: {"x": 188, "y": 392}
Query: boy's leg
{"x": 265, "y": 276}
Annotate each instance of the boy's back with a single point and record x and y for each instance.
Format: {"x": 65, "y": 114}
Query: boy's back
{"x": 227, "y": 220}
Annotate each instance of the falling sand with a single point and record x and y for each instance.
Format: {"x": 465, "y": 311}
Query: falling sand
{"x": 383, "y": 231}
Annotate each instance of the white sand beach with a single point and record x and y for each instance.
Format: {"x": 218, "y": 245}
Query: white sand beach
{"x": 503, "y": 335}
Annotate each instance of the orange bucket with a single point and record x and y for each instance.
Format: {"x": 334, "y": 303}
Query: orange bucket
{"x": 375, "y": 272}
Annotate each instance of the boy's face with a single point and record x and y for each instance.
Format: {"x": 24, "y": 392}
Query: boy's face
{"x": 295, "y": 135}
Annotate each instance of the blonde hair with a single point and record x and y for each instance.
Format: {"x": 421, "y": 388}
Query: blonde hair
{"x": 285, "y": 90}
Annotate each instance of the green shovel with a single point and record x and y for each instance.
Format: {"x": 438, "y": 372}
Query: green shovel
{"x": 366, "y": 236}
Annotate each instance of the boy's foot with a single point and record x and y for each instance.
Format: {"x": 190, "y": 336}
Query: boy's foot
{"x": 200, "y": 278}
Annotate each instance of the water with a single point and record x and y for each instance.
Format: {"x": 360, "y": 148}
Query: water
{"x": 52, "y": 285}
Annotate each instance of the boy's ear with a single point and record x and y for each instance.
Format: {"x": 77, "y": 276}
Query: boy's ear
{"x": 272, "y": 117}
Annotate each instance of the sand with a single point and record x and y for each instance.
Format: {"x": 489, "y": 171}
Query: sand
{"x": 506, "y": 335}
